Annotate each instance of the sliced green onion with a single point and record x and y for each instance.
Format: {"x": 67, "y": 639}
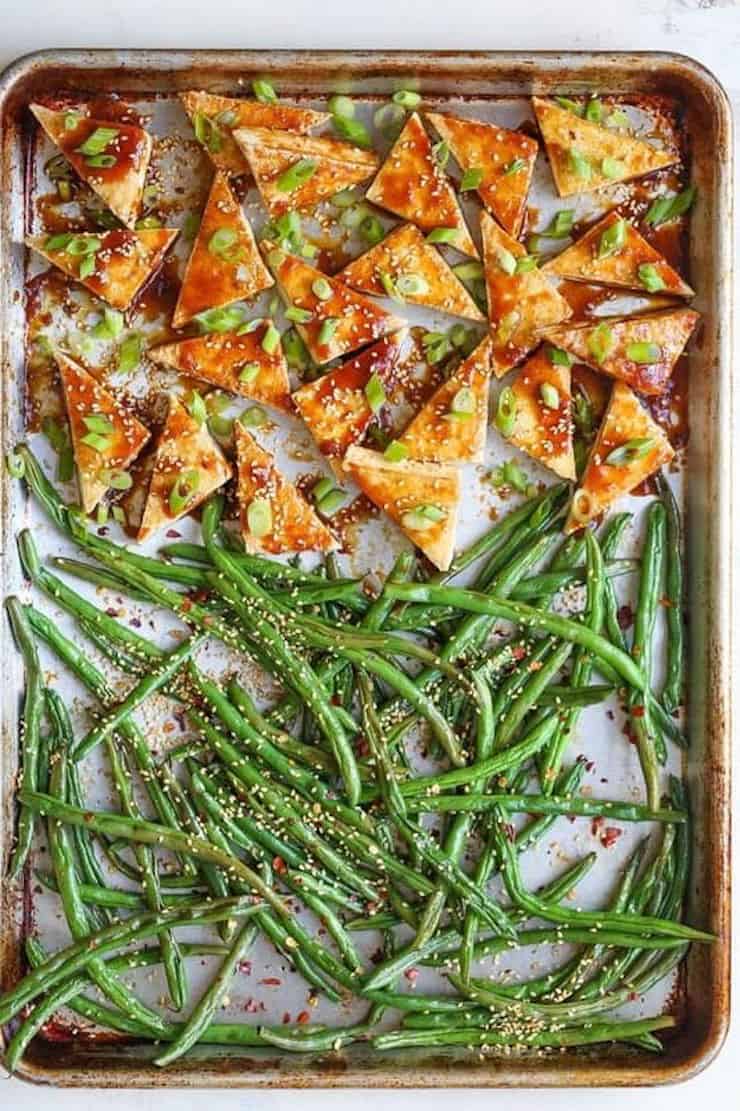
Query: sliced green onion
{"x": 558, "y": 357}
{"x": 327, "y": 330}
{"x": 87, "y": 266}
{"x": 98, "y": 141}
{"x": 570, "y": 105}
{"x": 515, "y": 167}
{"x": 259, "y": 517}
{"x": 506, "y": 411}
{"x": 422, "y": 518}
{"x": 464, "y": 404}
{"x": 525, "y": 264}
{"x": 389, "y": 287}
{"x": 101, "y": 514}
{"x": 668, "y": 208}
{"x": 321, "y": 289}
{"x": 249, "y": 372}
{"x": 579, "y": 164}
{"x": 296, "y": 175}
{"x": 342, "y": 106}
{"x": 375, "y": 393}
{"x": 15, "y": 465}
{"x": 650, "y": 278}
{"x": 66, "y": 464}
{"x": 515, "y": 477}
{"x": 224, "y": 243}
{"x": 55, "y": 433}
{"x": 643, "y": 353}
{"x": 613, "y": 168}
{"x": 103, "y": 161}
{"x": 617, "y": 118}
{"x": 443, "y": 235}
{"x": 507, "y": 326}
{"x": 118, "y": 514}
{"x": 371, "y": 230}
{"x": 506, "y": 261}
{"x": 437, "y": 347}
{"x": 459, "y": 335}
{"x": 582, "y": 506}
{"x": 352, "y": 217}
{"x": 561, "y": 224}
{"x": 593, "y": 110}
{"x": 271, "y": 339}
{"x": 71, "y": 120}
{"x": 549, "y": 395}
{"x": 298, "y": 315}
{"x": 98, "y": 422}
{"x": 601, "y": 342}
{"x": 116, "y": 480}
{"x": 182, "y": 491}
{"x": 207, "y": 132}
{"x": 250, "y": 326}
{"x": 345, "y": 198}
{"x": 322, "y": 488}
{"x": 64, "y": 189}
{"x": 468, "y": 271}
{"x": 148, "y": 222}
{"x": 410, "y": 285}
{"x": 221, "y": 320}
{"x": 406, "y": 98}
{"x": 471, "y": 179}
{"x": 110, "y": 326}
{"x": 264, "y": 91}
{"x": 354, "y": 131}
{"x": 583, "y": 414}
{"x": 227, "y": 118}
{"x": 221, "y": 427}
{"x": 256, "y": 417}
{"x": 629, "y": 451}
{"x": 331, "y": 502}
{"x": 395, "y": 452}
{"x": 295, "y": 351}
{"x": 129, "y": 353}
{"x": 612, "y": 239}
{"x": 97, "y": 442}
{"x": 441, "y": 154}
{"x": 196, "y": 406}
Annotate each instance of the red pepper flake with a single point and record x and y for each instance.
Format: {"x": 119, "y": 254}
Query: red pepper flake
{"x": 245, "y": 967}
{"x": 303, "y": 1017}
{"x": 253, "y": 1007}
{"x": 610, "y": 836}
{"x": 286, "y": 1018}
{"x": 186, "y": 605}
{"x": 173, "y": 534}
{"x": 637, "y": 711}
{"x": 271, "y": 982}
{"x": 411, "y": 974}
{"x": 362, "y": 748}
{"x": 625, "y": 617}
{"x": 596, "y": 824}
{"x": 519, "y": 652}
{"x": 510, "y": 832}
{"x": 279, "y": 865}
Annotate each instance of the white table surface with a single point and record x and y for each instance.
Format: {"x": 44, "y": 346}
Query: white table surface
{"x": 708, "y": 30}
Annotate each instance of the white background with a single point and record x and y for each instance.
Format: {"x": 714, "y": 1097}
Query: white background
{"x": 708, "y": 30}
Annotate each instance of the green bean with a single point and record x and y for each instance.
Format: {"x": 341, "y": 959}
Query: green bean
{"x": 524, "y": 1038}
{"x": 672, "y": 688}
{"x": 521, "y": 614}
{"x": 541, "y": 804}
{"x": 33, "y": 712}
{"x": 552, "y": 582}
{"x": 647, "y": 606}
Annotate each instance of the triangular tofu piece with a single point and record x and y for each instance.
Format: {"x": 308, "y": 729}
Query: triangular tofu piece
{"x": 451, "y": 426}
{"x": 341, "y": 319}
{"x": 327, "y": 166}
{"x": 335, "y": 406}
{"x": 417, "y": 272}
{"x": 188, "y": 466}
{"x": 521, "y": 302}
{"x": 585, "y": 156}
{"x": 111, "y": 157}
{"x": 224, "y": 264}
{"x": 215, "y": 118}
{"x": 422, "y": 498}
{"x": 411, "y": 184}
{"x": 543, "y": 421}
{"x": 614, "y": 253}
{"x": 114, "y": 265}
{"x": 106, "y": 438}
{"x": 629, "y": 447}
{"x": 274, "y": 516}
{"x": 504, "y": 160}
{"x": 234, "y": 362}
{"x": 641, "y": 350}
